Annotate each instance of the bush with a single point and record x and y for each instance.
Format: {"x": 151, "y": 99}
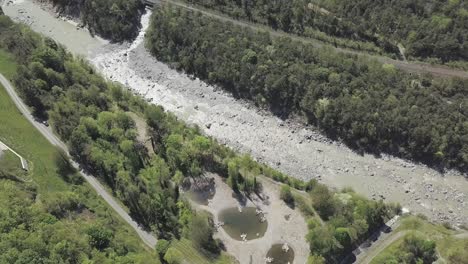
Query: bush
{"x": 286, "y": 195}
{"x": 201, "y": 233}
{"x": 62, "y": 203}
{"x": 173, "y": 256}
{"x": 312, "y": 223}
{"x": 99, "y": 237}
{"x": 416, "y": 249}
{"x": 162, "y": 246}
{"x": 304, "y": 206}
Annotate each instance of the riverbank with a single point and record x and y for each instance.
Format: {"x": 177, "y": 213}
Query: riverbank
{"x": 288, "y": 146}
{"x": 40, "y": 18}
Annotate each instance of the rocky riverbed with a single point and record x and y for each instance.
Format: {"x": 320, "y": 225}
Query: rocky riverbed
{"x": 287, "y": 145}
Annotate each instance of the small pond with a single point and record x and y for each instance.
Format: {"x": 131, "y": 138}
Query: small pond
{"x": 247, "y": 222}
{"x": 279, "y": 255}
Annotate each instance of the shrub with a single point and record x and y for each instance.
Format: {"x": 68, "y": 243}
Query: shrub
{"x": 286, "y": 195}
{"x": 162, "y": 246}
{"x": 173, "y": 256}
{"x": 99, "y": 237}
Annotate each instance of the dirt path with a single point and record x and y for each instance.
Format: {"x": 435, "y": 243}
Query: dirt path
{"x": 416, "y": 67}
{"x": 462, "y": 235}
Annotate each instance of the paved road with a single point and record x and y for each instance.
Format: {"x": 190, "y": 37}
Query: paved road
{"x": 415, "y": 67}
{"x": 146, "y": 237}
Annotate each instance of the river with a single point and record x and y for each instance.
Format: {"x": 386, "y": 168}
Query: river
{"x": 286, "y": 145}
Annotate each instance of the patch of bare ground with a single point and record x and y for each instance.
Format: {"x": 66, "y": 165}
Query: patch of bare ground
{"x": 142, "y": 129}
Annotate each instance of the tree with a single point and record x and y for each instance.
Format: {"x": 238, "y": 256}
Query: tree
{"x": 162, "y": 246}
{"x": 323, "y": 201}
{"x": 323, "y": 243}
{"x": 65, "y": 168}
{"x": 314, "y": 259}
{"x": 419, "y": 249}
{"x": 99, "y": 237}
{"x": 202, "y": 234}
{"x": 60, "y": 204}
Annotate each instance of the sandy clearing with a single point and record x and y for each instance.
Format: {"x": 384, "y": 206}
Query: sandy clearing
{"x": 288, "y": 146}
{"x": 279, "y": 230}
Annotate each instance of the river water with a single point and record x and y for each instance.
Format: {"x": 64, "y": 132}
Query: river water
{"x": 286, "y": 145}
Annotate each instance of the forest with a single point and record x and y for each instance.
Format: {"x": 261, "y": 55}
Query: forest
{"x": 93, "y": 117}
{"x": 427, "y": 29}
{"x": 116, "y": 20}
{"x": 58, "y": 230}
{"x": 370, "y": 106}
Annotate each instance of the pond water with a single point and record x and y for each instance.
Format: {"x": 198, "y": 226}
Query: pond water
{"x": 246, "y": 222}
{"x": 279, "y": 255}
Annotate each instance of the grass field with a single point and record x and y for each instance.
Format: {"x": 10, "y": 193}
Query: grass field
{"x": 7, "y": 66}
{"x": 451, "y": 249}
{"x": 20, "y": 135}
{"x": 10, "y": 163}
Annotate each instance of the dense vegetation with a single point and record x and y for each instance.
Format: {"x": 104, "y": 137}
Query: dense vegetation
{"x": 302, "y": 18}
{"x": 427, "y": 28}
{"x": 424, "y": 242}
{"x": 413, "y": 249}
{"x": 435, "y": 28}
{"x": 91, "y": 115}
{"x": 61, "y": 229}
{"x": 117, "y": 20}
{"x": 344, "y": 220}
{"x": 44, "y": 218}
{"x": 369, "y": 106}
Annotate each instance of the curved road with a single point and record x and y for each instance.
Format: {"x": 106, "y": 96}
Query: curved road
{"x": 146, "y": 237}
{"x": 415, "y": 67}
